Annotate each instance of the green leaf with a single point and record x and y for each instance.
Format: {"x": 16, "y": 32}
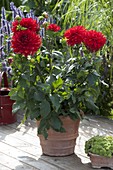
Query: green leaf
{"x": 33, "y": 114}
{"x": 70, "y": 68}
{"x": 75, "y": 113}
{"x": 56, "y": 70}
{"x": 13, "y": 93}
{"x": 39, "y": 96}
{"x": 24, "y": 83}
{"x": 56, "y": 123}
{"x": 55, "y": 101}
{"x": 18, "y": 105}
{"x": 15, "y": 107}
{"x": 45, "y": 108}
{"x": 42, "y": 128}
{"x": 25, "y": 76}
{"x": 21, "y": 93}
{"x": 44, "y": 87}
{"x": 45, "y": 134}
{"x": 82, "y": 73}
{"x": 13, "y": 90}
{"x": 87, "y": 65}
{"x": 74, "y": 99}
{"x": 30, "y": 103}
{"x": 96, "y": 74}
{"x": 73, "y": 110}
{"x": 51, "y": 79}
{"x": 92, "y": 78}
{"x": 62, "y": 130}
{"x": 57, "y": 53}
{"x": 31, "y": 4}
{"x": 91, "y": 105}
{"x": 57, "y": 83}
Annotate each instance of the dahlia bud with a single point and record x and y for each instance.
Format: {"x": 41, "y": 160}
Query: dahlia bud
{"x": 45, "y": 14}
{"x": 17, "y": 17}
{"x": 45, "y": 24}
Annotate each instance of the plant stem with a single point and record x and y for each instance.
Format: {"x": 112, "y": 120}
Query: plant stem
{"x": 39, "y": 73}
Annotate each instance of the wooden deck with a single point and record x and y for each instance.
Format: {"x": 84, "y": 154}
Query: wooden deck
{"x": 20, "y": 148}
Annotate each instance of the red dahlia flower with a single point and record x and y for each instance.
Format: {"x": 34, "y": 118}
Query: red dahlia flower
{"x": 26, "y": 42}
{"x": 75, "y": 35}
{"x": 94, "y": 40}
{"x": 14, "y": 26}
{"x": 53, "y": 27}
{"x": 27, "y": 23}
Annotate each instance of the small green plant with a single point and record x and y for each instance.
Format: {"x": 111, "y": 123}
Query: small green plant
{"x": 100, "y": 145}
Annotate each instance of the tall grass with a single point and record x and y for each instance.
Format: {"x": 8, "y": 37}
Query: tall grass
{"x": 77, "y": 12}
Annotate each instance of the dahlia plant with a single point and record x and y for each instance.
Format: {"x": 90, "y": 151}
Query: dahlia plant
{"x": 55, "y": 72}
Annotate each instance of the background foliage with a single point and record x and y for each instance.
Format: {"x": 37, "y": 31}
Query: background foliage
{"x": 96, "y": 15}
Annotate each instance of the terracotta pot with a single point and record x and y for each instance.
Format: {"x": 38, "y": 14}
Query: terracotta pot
{"x": 61, "y": 144}
{"x": 98, "y": 161}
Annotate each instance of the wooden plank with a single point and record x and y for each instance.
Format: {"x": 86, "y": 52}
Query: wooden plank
{"x": 24, "y": 128}
{"x": 26, "y": 137}
{"x": 100, "y": 123}
{"x": 14, "y": 164}
{"x": 15, "y": 152}
{"x": 24, "y": 158}
{"x": 20, "y": 144}
{"x": 71, "y": 162}
{"x": 29, "y": 124}
{"x": 29, "y": 128}
{"x": 4, "y": 167}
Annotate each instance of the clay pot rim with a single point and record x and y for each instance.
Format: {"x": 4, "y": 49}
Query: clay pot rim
{"x": 94, "y": 154}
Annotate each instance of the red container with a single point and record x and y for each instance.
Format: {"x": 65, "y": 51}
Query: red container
{"x": 6, "y": 115}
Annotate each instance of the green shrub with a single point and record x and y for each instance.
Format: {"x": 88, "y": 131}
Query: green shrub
{"x": 100, "y": 145}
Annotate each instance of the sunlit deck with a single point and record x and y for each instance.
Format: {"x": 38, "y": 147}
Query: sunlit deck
{"x": 20, "y": 148}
